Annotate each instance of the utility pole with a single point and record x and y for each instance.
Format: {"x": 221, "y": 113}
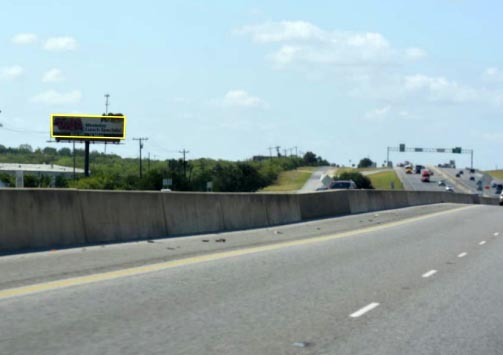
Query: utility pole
{"x": 140, "y": 141}
{"x": 73, "y": 160}
{"x": 184, "y": 152}
{"x": 148, "y": 166}
{"x": 107, "y": 96}
{"x": 296, "y": 151}
{"x": 270, "y": 151}
{"x": 277, "y": 150}
{"x": 284, "y": 152}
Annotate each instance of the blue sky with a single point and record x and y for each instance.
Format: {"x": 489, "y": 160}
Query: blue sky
{"x": 228, "y": 79}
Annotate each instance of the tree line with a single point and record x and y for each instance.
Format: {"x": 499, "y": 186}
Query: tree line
{"x": 113, "y": 172}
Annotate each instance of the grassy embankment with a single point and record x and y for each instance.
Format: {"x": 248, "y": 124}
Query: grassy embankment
{"x": 497, "y": 174}
{"x": 291, "y": 180}
{"x": 380, "y": 180}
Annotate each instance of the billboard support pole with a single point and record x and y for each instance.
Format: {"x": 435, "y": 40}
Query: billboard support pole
{"x": 86, "y": 161}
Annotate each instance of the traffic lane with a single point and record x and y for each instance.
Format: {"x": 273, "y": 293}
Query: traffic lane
{"x": 459, "y": 312}
{"x": 472, "y": 184}
{"x": 30, "y": 268}
{"x": 464, "y": 178}
{"x": 260, "y": 303}
{"x": 413, "y": 181}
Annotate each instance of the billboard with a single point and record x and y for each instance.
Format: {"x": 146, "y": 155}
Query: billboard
{"x": 88, "y": 127}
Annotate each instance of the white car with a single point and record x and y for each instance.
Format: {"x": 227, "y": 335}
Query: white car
{"x": 449, "y": 189}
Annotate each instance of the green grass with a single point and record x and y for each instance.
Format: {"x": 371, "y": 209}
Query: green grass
{"x": 290, "y": 180}
{"x": 381, "y": 181}
{"x": 498, "y": 174}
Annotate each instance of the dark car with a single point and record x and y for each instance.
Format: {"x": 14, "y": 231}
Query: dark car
{"x": 461, "y": 172}
{"x": 499, "y": 189}
{"x": 472, "y": 178}
{"x": 501, "y": 199}
{"x": 343, "y": 184}
{"x": 458, "y": 175}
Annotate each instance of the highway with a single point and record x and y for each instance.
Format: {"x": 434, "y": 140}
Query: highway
{"x": 471, "y": 185}
{"x": 412, "y": 182}
{"x": 421, "y": 280}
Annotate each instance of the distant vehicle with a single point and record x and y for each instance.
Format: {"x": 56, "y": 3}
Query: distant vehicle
{"x": 165, "y": 190}
{"x": 425, "y": 175}
{"x": 408, "y": 169}
{"x": 322, "y": 189}
{"x": 343, "y": 184}
{"x": 458, "y": 175}
{"x": 472, "y": 178}
{"x": 418, "y": 169}
{"x": 499, "y": 189}
{"x": 472, "y": 171}
{"x": 461, "y": 172}
{"x": 441, "y": 183}
{"x": 449, "y": 189}
{"x": 501, "y": 199}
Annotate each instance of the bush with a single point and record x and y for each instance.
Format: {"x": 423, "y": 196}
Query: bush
{"x": 361, "y": 181}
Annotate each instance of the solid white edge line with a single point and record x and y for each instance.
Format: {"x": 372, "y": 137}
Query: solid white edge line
{"x": 429, "y": 273}
{"x": 462, "y": 255}
{"x": 364, "y": 310}
{"x": 482, "y": 242}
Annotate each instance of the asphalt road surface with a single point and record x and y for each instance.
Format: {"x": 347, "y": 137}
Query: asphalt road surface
{"x": 314, "y": 181}
{"x": 423, "y": 280}
{"x": 412, "y": 182}
{"x": 464, "y": 180}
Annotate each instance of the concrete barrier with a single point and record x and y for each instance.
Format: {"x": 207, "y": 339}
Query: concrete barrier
{"x": 489, "y": 201}
{"x": 112, "y": 216}
{"x": 46, "y": 218}
{"x": 282, "y": 209}
{"x": 324, "y": 204}
{"x": 36, "y": 218}
{"x": 192, "y": 213}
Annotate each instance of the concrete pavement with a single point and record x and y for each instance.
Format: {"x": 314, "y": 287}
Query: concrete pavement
{"x": 359, "y": 293}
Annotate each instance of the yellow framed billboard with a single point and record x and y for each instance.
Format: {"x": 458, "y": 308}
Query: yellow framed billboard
{"x": 87, "y": 127}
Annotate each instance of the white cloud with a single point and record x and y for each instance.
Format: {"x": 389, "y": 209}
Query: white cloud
{"x": 24, "y": 38}
{"x": 52, "y": 97}
{"x": 12, "y": 72}
{"x": 240, "y": 98}
{"x": 53, "y": 75}
{"x": 282, "y": 31}
{"x": 64, "y": 43}
{"x": 493, "y": 74}
{"x": 181, "y": 100}
{"x": 302, "y": 43}
{"x": 378, "y": 114}
{"x": 441, "y": 89}
{"x": 492, "y": 137}
{"x": 415, "y": 53}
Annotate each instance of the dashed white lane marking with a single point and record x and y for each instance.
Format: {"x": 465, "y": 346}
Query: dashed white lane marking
{"x": 429, "y": 273}
{"x": 482, "y": 242}
{"x": 462, "y": 255}
{"x": 496, "y": 234}
{"x": 364, "y": 310}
